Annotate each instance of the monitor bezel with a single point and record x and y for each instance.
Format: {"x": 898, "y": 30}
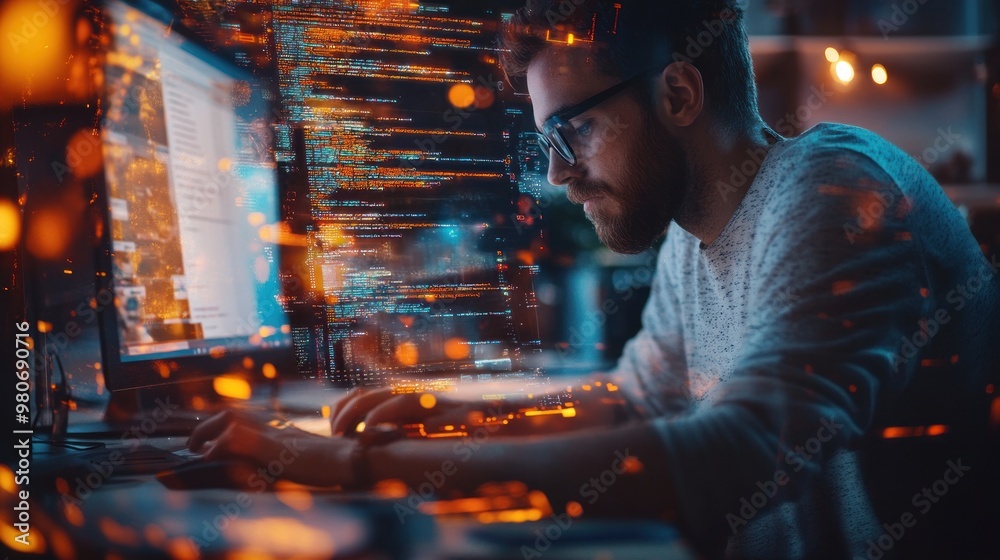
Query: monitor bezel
{"x": 122, "y": 375}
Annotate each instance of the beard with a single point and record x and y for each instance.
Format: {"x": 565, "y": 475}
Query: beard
{"x": 630, "y": 218}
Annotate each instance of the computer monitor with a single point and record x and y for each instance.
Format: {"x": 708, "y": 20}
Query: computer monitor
{"x": 188, "y": 271}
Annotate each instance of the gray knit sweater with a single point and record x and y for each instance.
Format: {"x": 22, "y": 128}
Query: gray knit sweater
{"x": 772, "y": 355}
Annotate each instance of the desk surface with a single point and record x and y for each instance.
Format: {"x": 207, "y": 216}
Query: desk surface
{"x": 98, "y": 514}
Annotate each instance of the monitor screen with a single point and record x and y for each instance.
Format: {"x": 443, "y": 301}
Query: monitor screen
{"x": 192, "y": 196}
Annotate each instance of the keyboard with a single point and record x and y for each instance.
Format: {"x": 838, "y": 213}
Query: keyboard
{"x": 106, "y": 463}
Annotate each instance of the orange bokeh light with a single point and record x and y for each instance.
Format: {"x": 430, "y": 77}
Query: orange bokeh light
{"x": 232, "y": 387}
{"x": 84, "y": 154}
{"x": 428, "y": 401}
{"x": 49, "y": 233}
{"x": 456, "y": 349}
{"x": 35, "y": 47}
{"x": 462, "y": 96}
{"x": 484, "y": 97}
{"x": 574, "y": 509}
{"x": 10, "y": 225}
{"x": 7, "y": 480}
{"x": 407, "y": 354}
{"x": 269, "y": 371}
{"x": 8, "y": 534}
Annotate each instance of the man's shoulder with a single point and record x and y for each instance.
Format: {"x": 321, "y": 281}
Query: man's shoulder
{"x": 825, "y": 137}
{"x": 820, "y": 182}
{"x": 828, "y": 147}
{"x": 833, "y": 163}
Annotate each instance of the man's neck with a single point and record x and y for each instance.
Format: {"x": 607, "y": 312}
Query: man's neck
{"x": 722, "y": 175}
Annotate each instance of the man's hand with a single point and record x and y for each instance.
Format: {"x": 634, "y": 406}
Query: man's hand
{"x": 305, "y": 458}
{"x": 596, "y": 406}
{"x": 381, "y": 406}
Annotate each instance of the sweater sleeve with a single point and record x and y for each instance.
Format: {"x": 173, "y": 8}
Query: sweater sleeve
{"x": 840, "y": 280}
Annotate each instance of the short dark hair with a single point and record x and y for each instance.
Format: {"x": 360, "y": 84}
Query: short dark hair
{"x": 630, "y": 36}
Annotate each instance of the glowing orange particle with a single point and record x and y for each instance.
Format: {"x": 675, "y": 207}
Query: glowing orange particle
{"x": 36, "y": 544}
{"x": 894, "y": 432}
{"x": 484, "y": 97}
{"x": 83, "y": 154}
{"x": 574, "y": 509}
{"x": 407, "y": 354}
{"x": 462, "y": 96}
{"x": 35, "y": 46}
{"x": 428, "y": 401}
{"x": 163, "y": 370}
{"x": 10, "y": 225}
{"x": 842, "y": 287}
{"x": 182, "y": 548}
{"x": 73, "y": 514}
{"x": 456, "y": 349}
{"x": 632, "y": 465}
{"x": 937, "y": 429}
{"x": 294, "y": 496}
{"x": 49, "y": 233}
{"x": 7, "y": 480}
{"x": 232, "y": 387}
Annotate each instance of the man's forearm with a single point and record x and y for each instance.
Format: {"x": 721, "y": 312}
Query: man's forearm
{"x": 618, "y": 471}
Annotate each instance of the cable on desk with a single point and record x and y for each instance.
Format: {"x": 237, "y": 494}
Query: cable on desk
{"x": 75, "y": 445}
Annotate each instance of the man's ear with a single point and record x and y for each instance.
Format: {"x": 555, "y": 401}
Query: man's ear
{"x": 680, "y": 94}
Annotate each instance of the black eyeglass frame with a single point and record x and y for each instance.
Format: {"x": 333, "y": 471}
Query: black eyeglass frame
{"x": 551, "y": 136}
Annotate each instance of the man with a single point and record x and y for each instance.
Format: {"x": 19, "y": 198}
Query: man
{"x": 829, "y": 297}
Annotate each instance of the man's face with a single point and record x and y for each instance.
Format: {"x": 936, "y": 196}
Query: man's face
{"x": 630, "y": 174}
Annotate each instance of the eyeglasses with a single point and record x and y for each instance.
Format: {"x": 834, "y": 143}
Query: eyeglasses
{"x": 556, "y": 128}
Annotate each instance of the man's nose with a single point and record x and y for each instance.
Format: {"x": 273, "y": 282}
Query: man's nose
{"x": 560, "y": 171}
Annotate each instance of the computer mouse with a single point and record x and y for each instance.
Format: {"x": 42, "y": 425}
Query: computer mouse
{"x": 233, "y": 474}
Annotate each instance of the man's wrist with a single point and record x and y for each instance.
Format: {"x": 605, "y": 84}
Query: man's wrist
{"x": 358, "y": 467}
{"x": 359, "y": 459}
